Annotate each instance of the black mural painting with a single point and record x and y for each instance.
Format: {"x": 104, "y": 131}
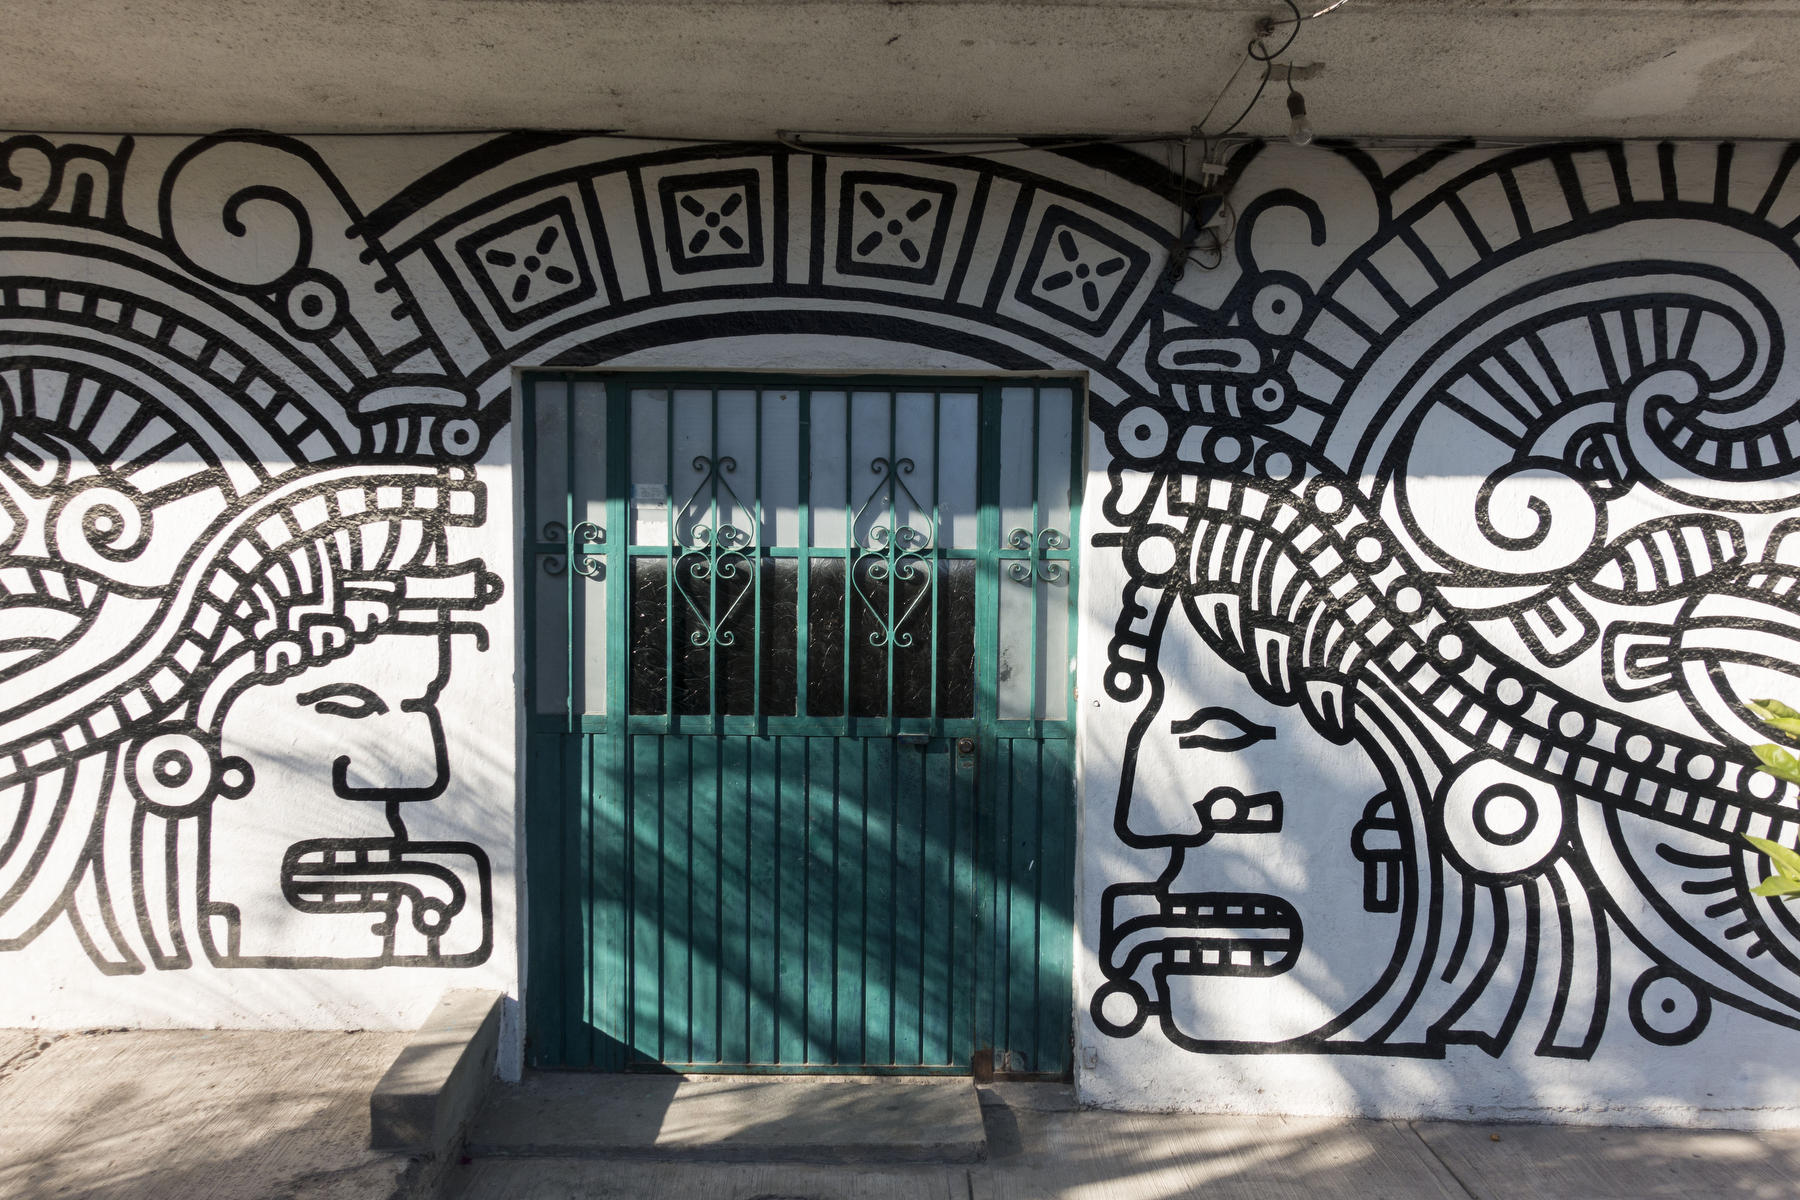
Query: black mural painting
{"x": 229, "y": 470}
{"x": 1468, "y": 475}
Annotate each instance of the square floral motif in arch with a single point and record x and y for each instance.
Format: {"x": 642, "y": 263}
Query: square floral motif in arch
{"x": 1080, "y": 272}
{"x": 531, "y": 264}
{"x": 713, "y": 221}
{"x": 893, "y": 226}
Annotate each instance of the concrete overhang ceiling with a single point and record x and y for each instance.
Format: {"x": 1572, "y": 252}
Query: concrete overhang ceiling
{"x": 747, "y": 68}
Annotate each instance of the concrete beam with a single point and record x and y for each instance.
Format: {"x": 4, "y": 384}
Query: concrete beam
{"x": 747, "y": 68}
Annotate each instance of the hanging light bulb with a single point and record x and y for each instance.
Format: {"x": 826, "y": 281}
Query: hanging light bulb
{"x": 1300, "y": 130}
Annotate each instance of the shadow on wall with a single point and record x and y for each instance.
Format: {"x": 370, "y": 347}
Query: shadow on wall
{"x": 1439, "y": 536}
{"x": 1435, "y": 715}
{"x": 300, "y": 644}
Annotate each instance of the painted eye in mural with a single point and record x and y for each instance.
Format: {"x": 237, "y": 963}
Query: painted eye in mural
{"x": 350, "y": 700}
{"x": 1143, "y": 432}
{"x": 1219, "y": 729}
{"x": 1277, "y": 308}
{"x": 1227, "y": 810}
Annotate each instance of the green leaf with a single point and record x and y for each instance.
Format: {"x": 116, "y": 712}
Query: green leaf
{"x": 1769, "y": 710}
{"x": 1785, "y": 860}
{"x": 1778, "y": 762}
{"x": 1776, "y": 715}
{"x": 1776, "y": 885}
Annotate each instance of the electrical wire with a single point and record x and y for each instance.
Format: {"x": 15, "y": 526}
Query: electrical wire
{"x": 791, "y": 139}
{"x": 1181, "y": 248}
{"x": 1262, "y": 53}
{"x": 1297, "y": 18}
{"x": 1268, "y": 70}
{"x": 1256, "y": 49}
{"x": 1213, "y": 107}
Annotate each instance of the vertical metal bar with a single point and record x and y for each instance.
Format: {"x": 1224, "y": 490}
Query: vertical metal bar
{"x": 803, "y": 632}
{"x": 578, "y": 929}
{"x": 591, "y": 747}
{"x": 712, "y": 576}
{"x": 1057, "y": 915}
{"x": 646, "y": 857}
{"x": 618, "y": 538}
{"x": 963, "y": 966}
{"x": 793, "y": 862}
{"x": 670, "y": 513}
{"x": 986, "y": 846}
{"x": 675, "y": 769}
{"x": 615, "y": 847}
{"x": 529, "y": 564}
{"x": 937, "y": 561}
{"x": 756, "y": 565}
{"x": 850, "y": 809}
{"x": 736, "y": 898}
{"x": 1031, "y": 580}
{"x": 897, "y": 817}
{"x": 543, "y": 998}
{"x": 585, "y": 847}
{"x": 570, "y": 642}
{"x": 939, "y": 966}
{"x": 1078, "y": 432}
{"x": 850, "y": 545}
{"x": 833, "y": 752}
{"x": 921, "y": 806}
{"x": 893, "y": 577}
{"x": 820, "y": 866}
{"x": 716, "y": 859}
{"x": 761, "y": 931}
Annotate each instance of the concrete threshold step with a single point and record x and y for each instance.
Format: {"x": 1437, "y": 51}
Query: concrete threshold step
{"x": 732, "y": 1118}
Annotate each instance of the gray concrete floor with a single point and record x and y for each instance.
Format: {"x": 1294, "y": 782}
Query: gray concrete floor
{"x": 741, "y": 1118}
{"x": 1039, "y": 1148}
{"x": 193, "y": 1115}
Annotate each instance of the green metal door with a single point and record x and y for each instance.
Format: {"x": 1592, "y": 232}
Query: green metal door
{"x": 800, "y": 771}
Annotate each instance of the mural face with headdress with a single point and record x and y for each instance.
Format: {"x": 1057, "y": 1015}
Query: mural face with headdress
{"x": 229, "y": 595}
{"x": 1454, "y": 518}
{"x": 1486, "y": 513}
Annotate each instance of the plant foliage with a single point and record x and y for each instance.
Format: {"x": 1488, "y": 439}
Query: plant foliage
{"x": 1783, "y": 764}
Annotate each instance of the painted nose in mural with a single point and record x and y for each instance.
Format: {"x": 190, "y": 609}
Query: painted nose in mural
{"x": 324, "y": 868}
{"x": 1271, "y": 864}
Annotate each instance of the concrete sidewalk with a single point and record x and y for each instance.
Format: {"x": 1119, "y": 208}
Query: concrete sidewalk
{"x": 197, "y": 1115}
{"x": 1039, "y": 1147}
{"x": 194, "y": 1115}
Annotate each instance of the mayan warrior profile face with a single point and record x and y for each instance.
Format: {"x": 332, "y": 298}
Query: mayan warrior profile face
{"x": 315, "y": 862}
{"x": 1277, "y": 864}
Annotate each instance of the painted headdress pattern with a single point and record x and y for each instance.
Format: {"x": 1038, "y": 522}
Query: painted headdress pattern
{"x": 1482, "y": 461}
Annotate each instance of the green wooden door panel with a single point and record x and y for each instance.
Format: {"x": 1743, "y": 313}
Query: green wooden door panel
{"x": 819, "y": 816}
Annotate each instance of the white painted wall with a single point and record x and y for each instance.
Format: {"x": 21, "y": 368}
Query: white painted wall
{"x": 1307, "y": 438}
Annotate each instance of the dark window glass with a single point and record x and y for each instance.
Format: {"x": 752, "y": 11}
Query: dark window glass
{"x": 872, "y": 605}
{"x": 714, "y": 659}
{"x": 956, "y": 646}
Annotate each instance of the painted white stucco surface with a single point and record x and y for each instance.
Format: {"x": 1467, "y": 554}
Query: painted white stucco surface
{"x": 1437, "y": 529}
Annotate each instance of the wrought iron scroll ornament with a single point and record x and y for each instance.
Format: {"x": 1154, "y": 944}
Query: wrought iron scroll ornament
{"x": 1050, "y": 570}
{"x": 586, "y": 534}
{"x": 893, "y": 555}
{"x": 707, "y": 554}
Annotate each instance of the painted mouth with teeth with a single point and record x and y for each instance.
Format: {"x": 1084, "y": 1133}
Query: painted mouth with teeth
{"x": 373, "y": 875}
{"x": 1234, "y": 934}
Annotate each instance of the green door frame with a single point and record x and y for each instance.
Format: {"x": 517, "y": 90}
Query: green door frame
{"x": 575, "y": 903}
